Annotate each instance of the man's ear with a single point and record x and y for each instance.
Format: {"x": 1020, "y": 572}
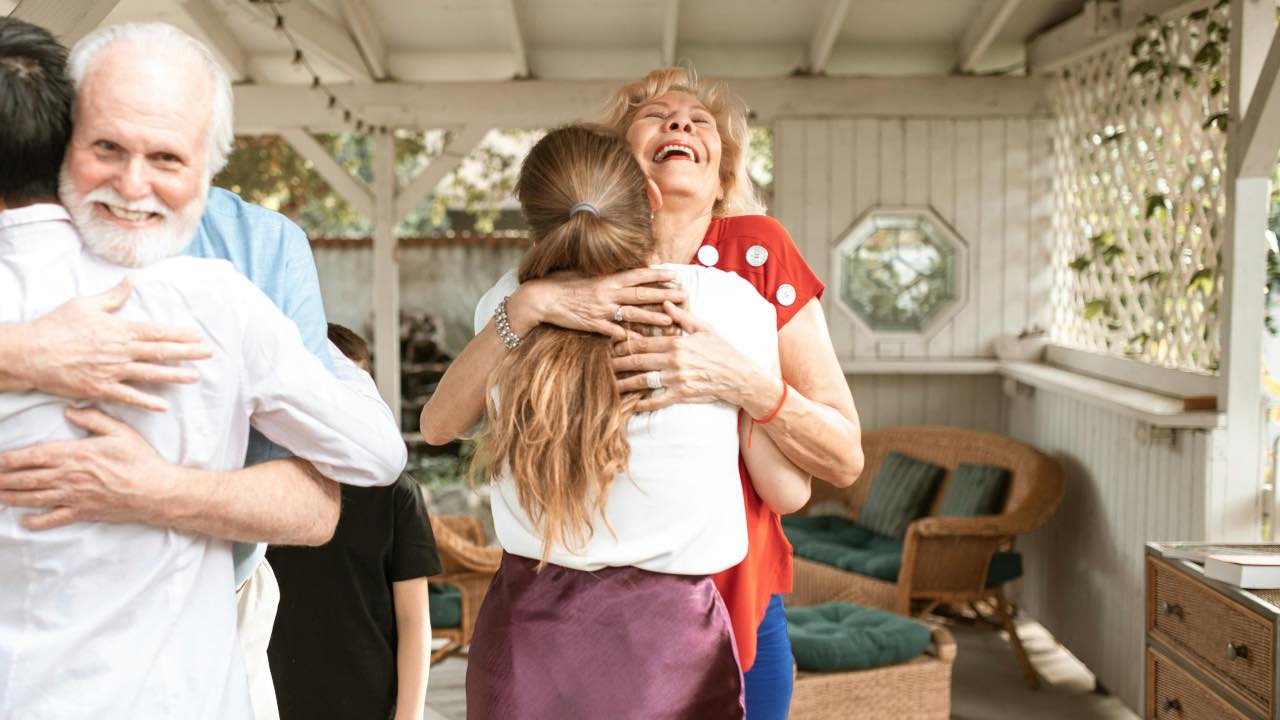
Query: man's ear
{"x": 655, "y": 195}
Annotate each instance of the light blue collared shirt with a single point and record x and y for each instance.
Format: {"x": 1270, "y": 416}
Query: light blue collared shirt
{"x": 273, "y": 252}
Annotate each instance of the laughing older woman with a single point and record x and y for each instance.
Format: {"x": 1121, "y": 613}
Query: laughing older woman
{"x": 691, "y": 139}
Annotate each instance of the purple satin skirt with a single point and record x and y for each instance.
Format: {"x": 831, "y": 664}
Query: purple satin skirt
{"x": 613, "y": 644}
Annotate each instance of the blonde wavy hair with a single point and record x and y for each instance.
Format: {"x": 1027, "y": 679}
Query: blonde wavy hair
{"x": 558, "y": 423}
{"x": 731, "y": 121}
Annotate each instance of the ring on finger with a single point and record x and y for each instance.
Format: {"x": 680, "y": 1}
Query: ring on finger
{"x": 653, "y": 379}
{"x": 617, "y": 314}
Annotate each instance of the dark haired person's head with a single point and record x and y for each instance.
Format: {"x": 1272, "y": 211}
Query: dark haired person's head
{"x": 35, "y": 112}
{"x": 351, "y": 344}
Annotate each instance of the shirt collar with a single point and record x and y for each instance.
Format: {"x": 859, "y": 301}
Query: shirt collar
{"x": 30, "y": 214}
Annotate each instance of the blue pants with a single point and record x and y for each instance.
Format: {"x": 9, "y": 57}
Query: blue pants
{"x": 770, "y": 680}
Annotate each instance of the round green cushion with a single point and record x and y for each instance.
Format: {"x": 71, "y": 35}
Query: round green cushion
{"x": 444, "y": 605}
{"x": 842, "y": 636}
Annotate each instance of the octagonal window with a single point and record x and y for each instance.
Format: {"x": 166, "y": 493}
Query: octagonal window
{"x": 901, "y": 271}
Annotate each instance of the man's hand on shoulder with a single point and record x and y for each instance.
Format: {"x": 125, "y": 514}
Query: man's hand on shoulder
{"x": 83, "y": 351}
{"x": 112, "y": 476}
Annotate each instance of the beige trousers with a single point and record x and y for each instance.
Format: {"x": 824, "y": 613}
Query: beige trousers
{"x": 256, "y": 602}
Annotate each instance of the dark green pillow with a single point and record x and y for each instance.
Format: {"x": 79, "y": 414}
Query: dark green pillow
{"x": 899, "y": 495}
{"x": 975, "y": 490}
{"x": 444, "y": 605}
{"x": 840, "y": 636}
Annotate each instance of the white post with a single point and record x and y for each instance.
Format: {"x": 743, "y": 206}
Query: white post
{"x": 386, "y": 274}
{"x": 1233, "y": 512}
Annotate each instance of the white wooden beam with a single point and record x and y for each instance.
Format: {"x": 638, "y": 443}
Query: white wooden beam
{"x": 68, "y": 20}
{"x": 511, "y": 19}
{"x": 386, "y": 275}
{"x": 352, "y": 189}
{"x": 219, "y": 38}
{"x": 1259, "y": 135}
{"x": 1098, "y": 26}
{"x": 1233, "y": 506}
{"x": 983, "y": 30}
{"x": 324, "y": 37}
{"x": 540, "y": 103}
{"x": 367, "y": 36}
{"x": 825, "y": 33}
{"x": 460, "y": 145}
{"x": 670, "y": 29}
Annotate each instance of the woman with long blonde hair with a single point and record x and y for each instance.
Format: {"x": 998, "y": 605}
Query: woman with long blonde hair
{"x": 691, "y": 138}
{"x": 612, "y": 521}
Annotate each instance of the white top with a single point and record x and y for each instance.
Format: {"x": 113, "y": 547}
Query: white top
{"x": 680, "y": 508}
{"x": 130, "y": 621}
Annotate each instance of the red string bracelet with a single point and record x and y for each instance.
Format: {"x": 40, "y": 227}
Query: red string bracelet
{"x": 768, "y": 418}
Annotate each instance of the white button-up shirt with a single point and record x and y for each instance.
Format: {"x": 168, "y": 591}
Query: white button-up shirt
{"x": 102, "y": 620}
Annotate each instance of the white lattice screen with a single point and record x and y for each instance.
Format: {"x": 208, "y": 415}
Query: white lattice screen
{"x": 1140, "y": 148}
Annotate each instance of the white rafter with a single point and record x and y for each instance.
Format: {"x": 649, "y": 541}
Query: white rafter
{"x": 670, "y": 28}
{"x": 324, "y": 37}
{"x": 512, "y": 21}
{"x": 1260, "y": 127}
{"x": 825, "y": 33}
{"x": 983, "y": 30}
{"x": 464, "y": 140}
{"x": 547, "y": 103}
{"x": 365, "y": 31}
{"x": 352, "y": 189}
{"x": 69, "y": 20}
{"x": 219, "y": 38}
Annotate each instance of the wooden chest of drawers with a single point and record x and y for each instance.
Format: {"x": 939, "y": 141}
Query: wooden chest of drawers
{"x": 1211, "y": 647}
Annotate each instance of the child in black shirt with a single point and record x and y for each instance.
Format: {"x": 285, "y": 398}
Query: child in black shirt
{"x": 352, "y": 636}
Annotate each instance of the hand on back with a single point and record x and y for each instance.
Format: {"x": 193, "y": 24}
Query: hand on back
{"x": 86, "y": 352}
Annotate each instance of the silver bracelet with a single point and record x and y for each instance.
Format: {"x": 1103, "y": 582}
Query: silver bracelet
{"x": 505, "y": 334}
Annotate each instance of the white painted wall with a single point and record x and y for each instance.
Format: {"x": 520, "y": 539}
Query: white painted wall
{"x": 444, "y": 280}
{"x": 1084, "y": 570}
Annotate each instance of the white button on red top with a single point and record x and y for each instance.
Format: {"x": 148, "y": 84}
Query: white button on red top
{"x": 757, "y": 255}
{"x": 786, "y": 295}
{"x": 708, "y": 255}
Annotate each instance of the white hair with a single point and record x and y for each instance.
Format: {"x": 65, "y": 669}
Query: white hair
{"x": 163, "y": 42}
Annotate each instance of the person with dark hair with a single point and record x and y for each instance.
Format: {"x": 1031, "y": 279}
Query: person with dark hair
{"x": 134, "y": 615}
{"x": 35, "y": 101}
{"x": 367, "y": 589}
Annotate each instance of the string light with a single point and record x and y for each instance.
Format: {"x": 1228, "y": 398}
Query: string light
{"x": 359, "y": 124}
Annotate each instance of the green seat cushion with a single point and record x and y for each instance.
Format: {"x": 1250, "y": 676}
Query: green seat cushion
{"x": 844, "y": 544}
{"x": 899, "y": 494}
{"x": 444, "y": 604}
{"x": 840, "y": 636}
{"x": 975, "y": 490}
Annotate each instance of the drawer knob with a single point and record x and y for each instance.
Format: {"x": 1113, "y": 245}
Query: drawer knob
{"x": 1172, "y": 704}
{"x": 1237, "y": 651}
{"x": 1169, "y": 608}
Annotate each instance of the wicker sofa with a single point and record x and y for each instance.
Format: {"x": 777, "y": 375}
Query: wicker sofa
{"x": 944, "y": 559}
{"x": 468, "y": 566}
{"x": 916, "y": 690}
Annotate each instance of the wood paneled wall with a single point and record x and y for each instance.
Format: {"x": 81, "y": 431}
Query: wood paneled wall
{"x": 989, "y": 178}
{"x": 1084, "y": 577}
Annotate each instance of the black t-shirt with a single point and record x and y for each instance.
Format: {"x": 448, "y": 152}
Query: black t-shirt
{"x": 333, "y": 648}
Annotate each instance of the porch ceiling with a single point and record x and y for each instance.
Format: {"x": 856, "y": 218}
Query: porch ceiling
{"x": 477, "y": 40}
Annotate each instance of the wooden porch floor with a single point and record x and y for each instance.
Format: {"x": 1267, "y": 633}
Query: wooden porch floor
{"x": 986, "y": 684}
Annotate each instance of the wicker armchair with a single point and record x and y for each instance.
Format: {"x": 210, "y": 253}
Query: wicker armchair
{"x": 916, "y": 690}
{"x": 468, "y": 566}
{"x": 945, "y": 559}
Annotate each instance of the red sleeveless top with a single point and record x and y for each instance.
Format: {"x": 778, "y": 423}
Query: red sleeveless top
{"x": 759, "y": 250}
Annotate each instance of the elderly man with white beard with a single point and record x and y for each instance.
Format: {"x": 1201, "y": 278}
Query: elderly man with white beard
{"x": 123, "y": 619}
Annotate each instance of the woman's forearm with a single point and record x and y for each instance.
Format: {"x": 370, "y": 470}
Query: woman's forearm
{"x": 817, "y": 427}
{"x": 458, "y": 402}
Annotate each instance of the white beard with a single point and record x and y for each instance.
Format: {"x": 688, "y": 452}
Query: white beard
{"x": 131, "y": 248}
